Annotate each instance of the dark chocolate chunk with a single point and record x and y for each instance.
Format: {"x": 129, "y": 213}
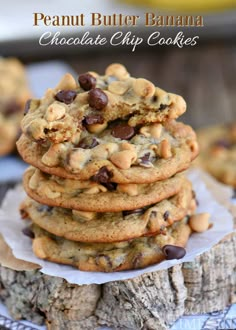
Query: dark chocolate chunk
{"x": 27, "y": 106}
{"x": 93, "y": 119}
{"x": 27, "y": 231}
{"x": 87, "y": 81}
{"x": 173, "y": 252}
{"x": 102, "y": 176}
{"x": 66, "y": 96}
{"x": 97, "y": 99}
{"x": 136, "y": 211}
{"x": 163, "y": 106}
{"x": 166, "y": 215}
{"x": 12, "y": 108}
{"x": 111, "y": 186}
{"x": 123, "y": 131}
{"x": 88, "y": 143}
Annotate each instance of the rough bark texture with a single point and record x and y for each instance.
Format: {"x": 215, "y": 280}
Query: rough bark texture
{"x": 37, "y": 297}
{"x": 150, "y": 302}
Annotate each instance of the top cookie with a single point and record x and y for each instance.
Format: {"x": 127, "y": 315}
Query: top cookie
{"x": 14, "y": 94}
{"x": 218, "y": 152}
{"x": 71, "y": 107}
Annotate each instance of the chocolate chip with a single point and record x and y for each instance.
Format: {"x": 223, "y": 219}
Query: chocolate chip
{"x": 102, "y": 176}
{"x": 154, "y": 99}
{"x": 136, "y": 211}
{"x": 28, "y": 232}
{"x": 145, "y": 159}
{"x": 88, "y": 143}
{"x": 87, "y": 81}
{"x": 45, "y": 208}
{"x": 163, "y": 106}
{"x": 27, "y": 106}
{"x": 173, "y": 252}
{"x": 123, "y": 131}
{"x": 66, "y": 96}
{"x": 166, "y": 215}
{"x": 93, "y": 119}
{"x": 12, "y": 108}
{"x": 111, "y": 186}
{"x": 97, "y": 99}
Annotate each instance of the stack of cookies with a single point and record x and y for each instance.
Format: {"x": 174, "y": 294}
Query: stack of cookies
{"x": 14, "y": 92}
{"x": 105, "y": 188}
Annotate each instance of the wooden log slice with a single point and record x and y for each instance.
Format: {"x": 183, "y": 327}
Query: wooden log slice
{"x": 151, "y": 301}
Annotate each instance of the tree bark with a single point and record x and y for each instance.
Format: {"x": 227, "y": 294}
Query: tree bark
{"x": 152, "y": 301}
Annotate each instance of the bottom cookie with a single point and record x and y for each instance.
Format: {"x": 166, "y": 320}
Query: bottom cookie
{"x": 110, "y": 257}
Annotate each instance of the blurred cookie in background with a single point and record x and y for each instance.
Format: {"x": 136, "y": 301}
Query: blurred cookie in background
{"x": 14, "y": 93}
{"x": 218, "y": 152}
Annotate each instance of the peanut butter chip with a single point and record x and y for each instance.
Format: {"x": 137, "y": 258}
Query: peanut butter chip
{"x": 66, "y": 96}
{"x": 143, "y": 88}
{"x": 118, "y": 87}
{"x": 117, "y": 70}
{"x": 199, "y": 222}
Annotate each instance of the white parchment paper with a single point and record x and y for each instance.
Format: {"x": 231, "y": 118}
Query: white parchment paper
{"x": 11, "y": 228}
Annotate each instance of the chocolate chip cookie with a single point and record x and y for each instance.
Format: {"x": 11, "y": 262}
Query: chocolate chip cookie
{"x": 111, "y": 227}
{"x": 94, "y": 101}
{"x": 218, "y": 152}
{"x": 146, "y": 154}
{"x": 97, "y": 196}
{"x": 110, "y": 257}
{"x": 14, "y": 94}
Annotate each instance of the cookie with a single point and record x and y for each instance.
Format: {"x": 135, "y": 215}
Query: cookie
{"x": 218, "y": 152}
{"x": 97, "y": 197}
{"x": 14, "y": 94}
{"x": 155, "y": 152}
{"x": 97, "y": 100}
{"x": 110, "y": 257}
{"x": 111, "y": 227}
